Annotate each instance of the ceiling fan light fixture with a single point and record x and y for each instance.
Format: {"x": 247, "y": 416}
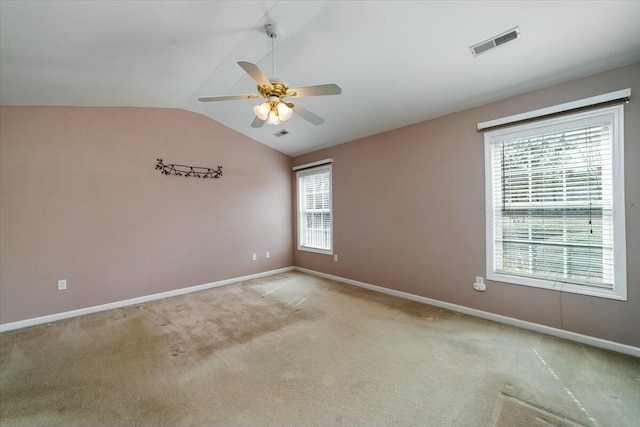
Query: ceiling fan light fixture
{"x": 284, "y": 112}
{"x": 262, "y": 110}
{"x": 273, "y": 118}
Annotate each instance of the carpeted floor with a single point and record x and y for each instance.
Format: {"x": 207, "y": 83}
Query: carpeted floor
{"x": 298, "y": 350}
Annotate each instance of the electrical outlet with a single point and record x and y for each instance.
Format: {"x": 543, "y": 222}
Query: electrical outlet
{"x": 254, "y": 256}
{"x": 480, "y": 286}
{"x": 267, "y": 254}
{"x": 335, "y": 257}
{"x": 62, "y": 285}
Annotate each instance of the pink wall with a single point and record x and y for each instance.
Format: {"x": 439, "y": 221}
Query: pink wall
{"x": 80, "y": 200}
{"x": 409, "y": 214}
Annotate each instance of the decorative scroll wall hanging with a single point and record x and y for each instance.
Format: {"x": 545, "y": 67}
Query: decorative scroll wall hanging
{"x": 194, "y": 171}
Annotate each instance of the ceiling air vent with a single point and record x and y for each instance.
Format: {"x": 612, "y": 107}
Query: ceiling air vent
{"x": 499, "y": 40}
{"x": 281, "y": 133}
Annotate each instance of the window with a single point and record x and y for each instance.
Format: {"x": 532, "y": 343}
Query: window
{"x": 555, "y": 204}
{"x": 314, "y": 210}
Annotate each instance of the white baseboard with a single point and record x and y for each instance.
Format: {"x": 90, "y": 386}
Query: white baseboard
{"x": 133, "y": 301}
{"x": 585, "y": 339}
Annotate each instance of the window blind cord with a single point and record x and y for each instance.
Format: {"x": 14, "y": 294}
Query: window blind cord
{"x": 590, "y": 166}
{"x": 504, "y": 198}
{"x": 561, "y": 308}
{"x": 561, "y": 290}
{"x": 590, "y": 189}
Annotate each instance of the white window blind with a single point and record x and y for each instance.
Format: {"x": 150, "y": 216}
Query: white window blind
{"x": 314, "y": 209}
{"x": 555, "y": 195}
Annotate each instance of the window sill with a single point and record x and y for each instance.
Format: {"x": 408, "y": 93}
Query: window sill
{"x": 556, "y": 286}
{"x": 315, "y": 250}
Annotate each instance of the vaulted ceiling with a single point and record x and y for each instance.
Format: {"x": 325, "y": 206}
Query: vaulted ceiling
{"x": 397, "y": 62}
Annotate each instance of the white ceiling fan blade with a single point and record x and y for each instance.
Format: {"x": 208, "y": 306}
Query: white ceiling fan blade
{"x": 257, "y": 122}
{"x": 255, "y": 73}
{"x": 308, "y": 115}
{"x": 227, "y": 97}
{"x": 318, "y": 90}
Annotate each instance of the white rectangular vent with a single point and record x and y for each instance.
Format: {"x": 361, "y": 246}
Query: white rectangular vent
{"x": 283, "y": 132}
{"x": 499, "y": 40}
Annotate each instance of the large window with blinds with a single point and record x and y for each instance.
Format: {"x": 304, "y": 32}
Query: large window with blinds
{"x": 555, "y": 204}
{"x": 314, "y": 210}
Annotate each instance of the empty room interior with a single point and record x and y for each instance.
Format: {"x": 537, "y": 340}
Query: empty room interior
{"x": 331, "y": 213}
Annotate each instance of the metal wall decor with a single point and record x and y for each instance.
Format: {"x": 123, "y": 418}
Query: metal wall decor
{"x": 194, "y": 171}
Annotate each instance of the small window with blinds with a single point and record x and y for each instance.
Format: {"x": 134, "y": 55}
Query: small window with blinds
{"x": 314, "y": 210}
{"x": 555, "y": 204}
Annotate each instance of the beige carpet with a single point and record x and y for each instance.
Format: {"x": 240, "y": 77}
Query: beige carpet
{"x": 297, "y": 350}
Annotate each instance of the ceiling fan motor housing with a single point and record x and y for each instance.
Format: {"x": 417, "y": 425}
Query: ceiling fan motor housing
{"x": 277, "y": 88}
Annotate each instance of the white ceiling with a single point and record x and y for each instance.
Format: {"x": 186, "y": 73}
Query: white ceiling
{"x": 398, "y": 62}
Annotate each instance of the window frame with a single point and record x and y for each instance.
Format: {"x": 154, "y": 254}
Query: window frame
{"x": 306, "y": 172}
{"x": 619, "y": 291}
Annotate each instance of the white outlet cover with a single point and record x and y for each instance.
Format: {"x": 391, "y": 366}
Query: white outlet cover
{"x": 481, "y": 287}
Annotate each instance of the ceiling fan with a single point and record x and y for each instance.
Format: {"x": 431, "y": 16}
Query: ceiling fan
{"x": 276, "y": 109}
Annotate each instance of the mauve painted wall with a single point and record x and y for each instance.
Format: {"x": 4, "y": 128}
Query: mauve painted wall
{"x": 80, "y": 200}
{"x": 409, "y": 214}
